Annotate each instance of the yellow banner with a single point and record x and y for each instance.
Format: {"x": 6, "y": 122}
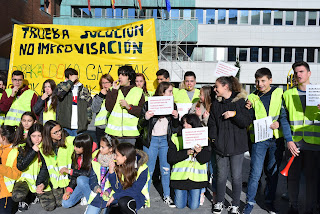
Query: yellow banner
{"x": 44, "y": 51}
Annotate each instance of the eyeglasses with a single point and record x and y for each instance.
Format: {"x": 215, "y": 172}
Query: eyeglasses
{"x": 57, "y": 132}
{"x": 17, "y": 80}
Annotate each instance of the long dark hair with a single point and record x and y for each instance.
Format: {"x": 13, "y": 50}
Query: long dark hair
{"x": 19, "y": 132}
{"x": 127, "y": 170}
{"x": 191, "y": 119}
{"x": 144, "y": 88}
{"x": 8, "y": 132}
{"x": 85, "y": 141}
{"x": 35, "y": 127}
{"x": 207, "y": 91}
{"x": 162, "y": 87}
{"x": 111, "y": 142}
{"x": 232, "y": 82}
{"x": 47, "y": 142}
{"x": 54, "y": 98}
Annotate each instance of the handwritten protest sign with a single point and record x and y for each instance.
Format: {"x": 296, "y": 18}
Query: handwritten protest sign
{"x": 194, "y": 136}
{"x": 43, "y": 51}
{"x": 313, "y": 95}
{"x": 160, "y": 105}
{"x": 183, "y": 108}
{"x": 224, "y": 69}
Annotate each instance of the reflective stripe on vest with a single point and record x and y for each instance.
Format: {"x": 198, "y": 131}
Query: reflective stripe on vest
{"x": 304, "y": 124}
{"x": 120, "y": 122}
{"x": 189, "y": 168}
{"x": 18, "y": 107}
{"x": 260, "y": 111}
{"x": 49, "y": 115}
{"x": 102, "y": 116}
{"x": 12, "y": 156}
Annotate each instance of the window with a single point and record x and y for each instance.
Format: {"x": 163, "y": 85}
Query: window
{"x": 255, "y": 17}
{"x": 289, "y": 17}
{"x": 267, "y": 17}
{"x": 155, "y": 13}
{"x": 243, "y": 54}
{"x": 310, "y": 54}
{"x": 196, "y": 54}
{"x": 165, "y": 14}
{"x": 96, "y": 12}
{"x": 276, "y": 57}
{"x": 208, "y": 54}
{"x": 254, "y": 52}
{"x": 148, "y": 13}
{"x": 265, "y": 54}
{"x": 233, "y": 14}
{"x": 85, "y": 12}
{"x": 109, "y": 13}
{"x": 131, "y": 12}
{"x": 278, "y": 17}
{"x": 221, "y": 16}
{"x": 288, "y": 54}
{"x": 220, "y": 56}
{"x": 244, "y": 16}
{"x": 231, "y": 54}
{"x": 210, "y": 16}
{"x": 186, "y": 14}
{"x": 301, "y": 17}
{"x": 199, "y": 15}
{"x": 299, "y": 54}
{"x": 118, "y": 13}
{"x": 175, "y": 14}
{"x": 318, "y": 55}
{"x": 312, "y": 18}
{"x": 76, "y": 12}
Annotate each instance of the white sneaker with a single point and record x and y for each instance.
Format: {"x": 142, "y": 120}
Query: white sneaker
{"x": 83, "y": 201}
{"x": 36, "y": 200}
{"x": 217, "y": 208}
{"x": 167, "y": 200}
{"x": 233, "y": 209}
{"x": 23, "y": 206}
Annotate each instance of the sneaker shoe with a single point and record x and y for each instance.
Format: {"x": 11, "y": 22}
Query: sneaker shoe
{"x": 234, "y": 209}
{"x": 168, "y": 201}
{"x": 23, "y": 206}
{"x": 217, "y": 208}
{"x": 83, "y": 201}
{"x": 271, "y": 209}
{"x": 247, "y": 209}
{"x": 36, "y": 201}
{"x": 202, "y": 197}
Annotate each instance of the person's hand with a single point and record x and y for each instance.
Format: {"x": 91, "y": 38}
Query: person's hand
{"x": 318, "y": 106}
{"x": 111, "y": 166}
{"x": 104, "y": 91}
{"x": 190, "y": 152}
{"x": 175, "y": 114}
{"x": 274, "y": 125}
{"x": 149, "y": 114}
{"x": 116, "y": 85}
{"x": 99, "y": 190}
{"x": 40, "y": 188}
{"x": 66, "y": 196}
{"x": 110, "y": 201}
{"x": 35, "y": 147}
{"x": 197, "y": 148}
{"x": 73, "y": 78}
{"x": 248, "y": 104}
{"x": 14, "y": 91}
{"x": 205, "y": 114}
{"x": 44, "y": 96}
{"x": 229, "y": 114}
{"x": 198, "y": 111}
{"x": 124, "y": 104}
{"x": 293, "y": 148}
{"x": 64, "y": 170}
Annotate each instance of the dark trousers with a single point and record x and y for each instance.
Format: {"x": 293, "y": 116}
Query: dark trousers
{"x": 6, "y": 205}
{"x": 126, "y": 205}
{"x": 99, "y": 134}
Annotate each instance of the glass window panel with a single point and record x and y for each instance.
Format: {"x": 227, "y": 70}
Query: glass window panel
{"x": 232, "y": 54}
{"x": 278, "y": 17}
{"x": 165, "y": 14}
{"x": 131, "y": 12}
{"x": 96, "y": 12}
{"x": 85, "y": 13}
{"x": 186, "y": 13}
{"x": 199, "y": 15}
{"x": 276, "y": 57}
{"x": 208, "y": 54}
{"x": 155, "y": 13}
{"x": 254, "y": 52}
{"x": 109, "y": 13}
{"x": 289, "y": 17}
{"x": 103, "y": 13}
{"x": 255, "y": 17}
{"x": 210, "y": 16}
{"x": 175, "y": 14}
{"x": 243, "y": 54}
{"x": 118, "y": 12}
{"x": 233, "y": 14}
{"x": 193, "y": 12}
{"x": 301, "y": 17}
{"x": 222, "y": 16}
{"x": 312, "y": 18}
{"x": 299, "y": 54}
{"x": 196, "y": 54}
{"x": 244, "y": 16}
{"x": 148, "y": 13}
{"x": 265, "y": 54}
{"x": 310, "y": 54}
{"x": 267, "y": 17}
{"x": 76, "y": 12}
{"x": 318, "y": 55}
{"x": 288, "y": 54}
{"x": 220, "y": 55}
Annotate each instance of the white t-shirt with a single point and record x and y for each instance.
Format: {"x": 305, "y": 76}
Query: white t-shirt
{"x": 74, "y": 113}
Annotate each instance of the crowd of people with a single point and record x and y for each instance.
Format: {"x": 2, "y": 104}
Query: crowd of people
{"x": 48, "y": 157}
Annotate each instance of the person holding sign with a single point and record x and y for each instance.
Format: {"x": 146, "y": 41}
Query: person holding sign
{"x": 158, "y": 129}
{"x": 228, "y": 122}
{"x": 125, "y": 102}
{"x": 266, "y": 101}
{"x": 189, "y": 170}
{"x": 304, "y": 124}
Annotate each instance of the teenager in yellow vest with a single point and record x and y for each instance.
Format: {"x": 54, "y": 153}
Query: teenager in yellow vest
{"x": 129, "y": 179}
{"x": 98, "y": 106}
{"x": 125, "y": 102}
{"x": 8, "y": 168}
{"x": 46, "y": 105}
{"x": 164, "y": 76}
{"x": 27, "y": 120}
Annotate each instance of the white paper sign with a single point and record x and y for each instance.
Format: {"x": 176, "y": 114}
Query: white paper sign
{"x": 160, "y": 105}
{"x": 183, "y": 108}
{"x": 194, "y": 136}
{"x": 313, "y": 95}
{"x": 262, "y": 130}
{"x": 225, "y": 69}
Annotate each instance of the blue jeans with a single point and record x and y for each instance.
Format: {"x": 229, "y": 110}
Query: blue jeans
{"x": 82, "y": 190}
{"x": 267, "y": 154}
{"x": 95, "y": 210}
{"x": 183, "y": 196}
{"x": 159, "y": 146}
{"x": 71, "y": 132}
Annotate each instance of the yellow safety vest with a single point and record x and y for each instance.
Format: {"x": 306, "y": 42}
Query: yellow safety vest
{"x": 18, "y": 107}
{"x": 189, "y": 168}
{"x": 102, "y": 116}
{"x": 12, "y": 156}
{"x": 2, "y": 115}
{"x": 304, "y": 124}
{"x": 49, "y": 115}
{"x": 260, "y": 111}
{"x": 120, "y": 122}
{"x": 181, "y": 96}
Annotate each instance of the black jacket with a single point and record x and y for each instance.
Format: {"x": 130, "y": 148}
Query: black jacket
{"x": 147, "y": 125}
{"x": 229, "y": 136}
